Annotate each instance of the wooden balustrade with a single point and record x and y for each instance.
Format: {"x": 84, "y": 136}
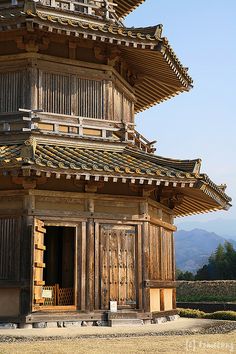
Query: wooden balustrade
{"x": 27, "y": 120}
{"x": 102, "y": 8}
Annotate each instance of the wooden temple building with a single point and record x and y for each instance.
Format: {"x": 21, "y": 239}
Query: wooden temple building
{"x": 86, "y": 206}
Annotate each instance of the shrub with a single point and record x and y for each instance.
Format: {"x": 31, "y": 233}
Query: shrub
{"x": 222, "y": 315}
{"x": 191, "y": 313}
{"x": 218, "y": 315}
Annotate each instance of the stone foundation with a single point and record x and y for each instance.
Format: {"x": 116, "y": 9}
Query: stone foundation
{"x": 76, "y": 324}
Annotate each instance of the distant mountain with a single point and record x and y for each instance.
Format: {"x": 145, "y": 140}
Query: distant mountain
{"x": 193, "y": 248}
{"x": 222, "y": 227}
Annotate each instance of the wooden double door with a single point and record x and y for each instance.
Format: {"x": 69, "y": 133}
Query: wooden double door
{"x": 118, "y": 265}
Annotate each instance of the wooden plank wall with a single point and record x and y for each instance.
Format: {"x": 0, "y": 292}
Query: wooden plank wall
{"x": 13, "y": 90}
{"x": 64, "y": 93}
{"x": 161, "y": 253}
{"x": 167, "y": 255}
{"x": 123, "y": 107}
{"x": 56, "y": 91}
{"x": 90, "y": 98}
{"x": 68, "y": 94}
{"x": 10, "y": 233}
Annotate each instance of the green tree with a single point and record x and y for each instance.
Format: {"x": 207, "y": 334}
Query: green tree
{"x": 184, "y": 275}
{"x": 221, "y": 264}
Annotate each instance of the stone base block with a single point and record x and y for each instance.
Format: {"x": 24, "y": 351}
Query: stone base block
{"x": 72, "y": 324}
{"x": 25, "y": 326}
{"x": 125, "y": 322}
{"x": 52, "y": 325}
{"x": 40, "y": 325}
{"x": 8, "y": 325}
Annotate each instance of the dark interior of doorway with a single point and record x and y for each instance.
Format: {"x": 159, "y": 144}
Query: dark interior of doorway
{"x": 59, "y": 265}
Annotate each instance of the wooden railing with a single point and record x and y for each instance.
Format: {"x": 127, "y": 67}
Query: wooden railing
{"x": 102, "y": 8}
{"x": 74, "y": 126}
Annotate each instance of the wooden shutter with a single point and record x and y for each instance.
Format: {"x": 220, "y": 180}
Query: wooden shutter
{"x": 39, "y": 249}
{"x": 13, "y": 90}
{"x": 10, "y": 235}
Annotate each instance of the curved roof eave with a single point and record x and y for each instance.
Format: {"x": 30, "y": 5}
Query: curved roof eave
{"x": 124, "y": 7}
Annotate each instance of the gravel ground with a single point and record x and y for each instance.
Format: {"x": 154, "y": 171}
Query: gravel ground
{"x": 181, "y": 336}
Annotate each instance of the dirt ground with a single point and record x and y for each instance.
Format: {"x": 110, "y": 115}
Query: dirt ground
{"x": 181, "y": 336}
{"x": 174, "y": 344}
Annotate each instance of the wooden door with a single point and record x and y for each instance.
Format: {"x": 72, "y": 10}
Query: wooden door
{"x": 39, "y": 248}
{"x": 117, "y": 265}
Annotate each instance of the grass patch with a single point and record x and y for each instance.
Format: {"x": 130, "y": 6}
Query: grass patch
{"x": 218, "y": 315}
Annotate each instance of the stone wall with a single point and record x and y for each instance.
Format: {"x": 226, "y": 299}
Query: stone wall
{"x": 208, "y": 289}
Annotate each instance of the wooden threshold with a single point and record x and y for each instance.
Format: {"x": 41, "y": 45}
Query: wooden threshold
{"x": 54, "y": 308}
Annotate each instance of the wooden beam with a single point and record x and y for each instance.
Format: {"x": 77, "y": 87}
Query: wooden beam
{"x": 159, "y": 284}
{"x": 90, "y": 266}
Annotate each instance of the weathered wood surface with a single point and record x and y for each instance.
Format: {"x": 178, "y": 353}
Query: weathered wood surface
{"x": 14, "y": 90}
{"x": 65, "y": 89}
{"x": 118, "y": 265}
{"x": 117, "y": 257}
{"x": 10, "y": 242}
{"x": 39, "y": 265}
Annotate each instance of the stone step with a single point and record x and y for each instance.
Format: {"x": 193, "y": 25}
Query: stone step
{"x": 125, "y": 322}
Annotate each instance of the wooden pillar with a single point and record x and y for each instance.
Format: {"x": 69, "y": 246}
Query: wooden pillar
{"x": 173, "y": 256}
{"x": 82, "y": 291}
{"x": 139, "y": 294}
{"x": 109, "y": 100}
{"x": 90, "y": 266}
{"x": 74, "y": 96}
{"x": 174, "y": 299}
{"x": 26, "y": 265}
{"x": 33, "y": 86}
{"x": 161, "y": 253}
{"x": 146, "y": 268}
{"x": 97, "y": 268}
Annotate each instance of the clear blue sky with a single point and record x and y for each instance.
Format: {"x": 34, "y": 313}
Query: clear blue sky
{"x": 201, "y": 123}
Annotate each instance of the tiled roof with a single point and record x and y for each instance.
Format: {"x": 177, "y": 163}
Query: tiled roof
{"x": 126, "y": 162}
{"x": 123, "y": 163}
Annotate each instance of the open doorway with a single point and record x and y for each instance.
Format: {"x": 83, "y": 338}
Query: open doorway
{"x": 59, "y": 271}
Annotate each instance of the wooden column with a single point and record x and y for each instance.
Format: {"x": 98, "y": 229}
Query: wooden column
{"x": 33, "y": 86}
{"x": 109, "y": 101}
{"x": 173, "y": 269}
{"x": 174, "y": 299}
{"x": 82, "y": 291}
{"x": 90, "y": 250}
{"x": 90, "y": 266}
{"x": 145, "y": 256}
{"x": 26, "y": 265}
{"x": 146, "y": 266}
{"x": 97, "y": 292}
{"x": 139, "y": 272}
